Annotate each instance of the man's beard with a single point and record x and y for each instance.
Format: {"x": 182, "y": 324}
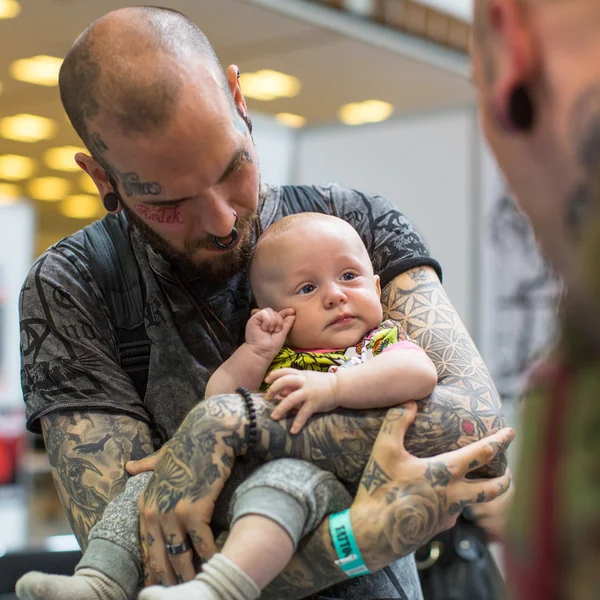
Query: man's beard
{"x": 218, "y": 269}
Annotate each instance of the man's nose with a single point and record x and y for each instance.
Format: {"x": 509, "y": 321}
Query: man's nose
{"x": 217, "y": 216}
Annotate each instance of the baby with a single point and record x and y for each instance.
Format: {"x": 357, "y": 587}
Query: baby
{"x": 319, "y": 314}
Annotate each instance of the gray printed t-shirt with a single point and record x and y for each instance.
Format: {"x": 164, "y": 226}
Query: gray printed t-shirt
{"x": 69, "y": 341}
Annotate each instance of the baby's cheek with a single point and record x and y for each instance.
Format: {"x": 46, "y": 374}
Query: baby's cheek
{"x": 303, "y": 333}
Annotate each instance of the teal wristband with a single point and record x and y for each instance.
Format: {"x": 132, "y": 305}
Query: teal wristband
{"x": 350, "y": 559}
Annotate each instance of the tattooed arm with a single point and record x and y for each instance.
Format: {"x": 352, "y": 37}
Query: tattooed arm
{"x": 463, "y": 408}
{"x": 465, "y": 405}
{"x": 402, "y": 501}
{"x": 88, "y": 452}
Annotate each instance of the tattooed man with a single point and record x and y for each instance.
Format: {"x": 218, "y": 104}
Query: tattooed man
{"x": 171, "y": 151}
{"x": 538, "y": 76}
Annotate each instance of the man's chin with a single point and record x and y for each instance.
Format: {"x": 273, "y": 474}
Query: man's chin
{"x": 216, "y": 266}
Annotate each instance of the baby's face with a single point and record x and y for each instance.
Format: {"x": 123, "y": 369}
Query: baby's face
{"x": 323, "y": 271}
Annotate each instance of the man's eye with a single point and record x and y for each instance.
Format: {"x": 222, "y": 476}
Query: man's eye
{"x": 307, "y": 289}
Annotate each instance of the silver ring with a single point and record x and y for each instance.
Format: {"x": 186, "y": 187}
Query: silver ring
{"x": 231, "y": 244}
{"x": 175, "y": 549}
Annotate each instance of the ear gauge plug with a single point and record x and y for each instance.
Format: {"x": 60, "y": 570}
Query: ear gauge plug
{"x": 111, "y": 202}
{"x": 521, "y": 110}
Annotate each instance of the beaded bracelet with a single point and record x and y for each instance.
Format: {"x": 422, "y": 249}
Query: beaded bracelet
{"x": 252, "y": 428}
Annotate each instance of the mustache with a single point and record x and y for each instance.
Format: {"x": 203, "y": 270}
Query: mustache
{"x": 243, "y": 225}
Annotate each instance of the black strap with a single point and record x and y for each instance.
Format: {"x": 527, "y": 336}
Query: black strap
{"x": 116, "y": 271}
{"x": 392, "y": 577}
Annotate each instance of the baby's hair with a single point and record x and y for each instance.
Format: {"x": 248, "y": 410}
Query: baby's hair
{"x": 279, "y": 227}
{"x": 282, "y": 226}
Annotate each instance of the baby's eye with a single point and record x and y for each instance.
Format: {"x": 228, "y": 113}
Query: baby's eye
{"x": 307, "y": 289}
{"x": 348, "y": 276}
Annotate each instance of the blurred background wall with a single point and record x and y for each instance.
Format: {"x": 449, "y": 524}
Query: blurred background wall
{"x": 372, "y": 94}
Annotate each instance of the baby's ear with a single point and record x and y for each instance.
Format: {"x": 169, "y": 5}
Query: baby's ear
{"x": 378, "y": 284}
{"x": 254, "y": 311}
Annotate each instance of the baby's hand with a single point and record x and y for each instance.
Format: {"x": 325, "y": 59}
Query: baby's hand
{"x": 266, "y": 330}
{"x": 311, "y": 391}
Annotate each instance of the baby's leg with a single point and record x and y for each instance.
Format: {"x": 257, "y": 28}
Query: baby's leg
{"x": 285, "y": 499}
{"x": 111, "y": 567}
{"x": 270, "y": 512}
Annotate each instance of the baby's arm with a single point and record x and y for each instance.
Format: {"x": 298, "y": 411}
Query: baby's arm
{"x": 265, "y": 335}
{"x": 391, "y": 378}
{"x": 398, "y": 375}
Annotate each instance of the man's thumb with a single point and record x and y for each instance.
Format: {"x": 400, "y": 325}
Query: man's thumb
{"x": 396, "y": 422}
{"x": 148, "y": 463}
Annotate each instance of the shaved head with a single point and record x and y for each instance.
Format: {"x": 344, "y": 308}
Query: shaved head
{"x": 127, "y": 69}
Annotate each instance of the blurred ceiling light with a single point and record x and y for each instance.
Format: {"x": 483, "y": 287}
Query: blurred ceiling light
{"x": 369, "y": 111}
{"x": 27, "y": 128}
{"x": 269, "y": 85}
{"x": 462, "y": 9}
{"x": 86, "y": 183}
{"x": 291, "y": 120}
{"x": 9, "y": 193}
{"x": 62, "y": 159}
{"x": 42, "y": 70}
{"x": 9, "y": 9}
{"x": 14, "y": 167}
{"x": 81, "y": 206}
{"x": 50, "y": 189}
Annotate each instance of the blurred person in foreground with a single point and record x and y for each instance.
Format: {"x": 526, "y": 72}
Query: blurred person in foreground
{"x": 537, "y": 73}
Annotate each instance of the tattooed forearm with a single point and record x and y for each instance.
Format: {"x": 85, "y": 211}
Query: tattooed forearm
{"x": 465, "y": 406}
{"x": 87, "y": 453}
{"x": 339, "y": 442}
{"x": 201, "y": 453}
{"x": 199, "y": 458}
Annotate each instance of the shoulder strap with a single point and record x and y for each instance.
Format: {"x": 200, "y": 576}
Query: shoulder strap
{"x": 304, "y": 198}
{"x": 116, "y": 271}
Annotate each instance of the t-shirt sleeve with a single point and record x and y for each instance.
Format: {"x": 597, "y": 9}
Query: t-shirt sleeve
{"x": 68, "y": 344}
{"x": 393, "y": 244}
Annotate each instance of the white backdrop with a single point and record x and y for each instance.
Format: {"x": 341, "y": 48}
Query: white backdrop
{"x": 16, "y": 255}
{"x": 423, "y": 163}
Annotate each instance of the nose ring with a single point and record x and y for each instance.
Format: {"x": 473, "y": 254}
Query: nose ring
{"x": 234, "y": 238}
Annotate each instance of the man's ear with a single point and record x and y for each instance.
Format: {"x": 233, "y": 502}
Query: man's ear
{"x": 95, "y": 171}
{"x": 513, "y": 52}
{"x": 233, "y": 81}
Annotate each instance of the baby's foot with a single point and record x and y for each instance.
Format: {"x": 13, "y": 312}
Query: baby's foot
{"x": 193, "y": 590}
{"x": 86, "y": 584}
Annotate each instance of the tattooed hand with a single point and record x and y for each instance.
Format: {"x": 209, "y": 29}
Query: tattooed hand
{"x": 404, "y": 500}
{"x": 179, "y": 499}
